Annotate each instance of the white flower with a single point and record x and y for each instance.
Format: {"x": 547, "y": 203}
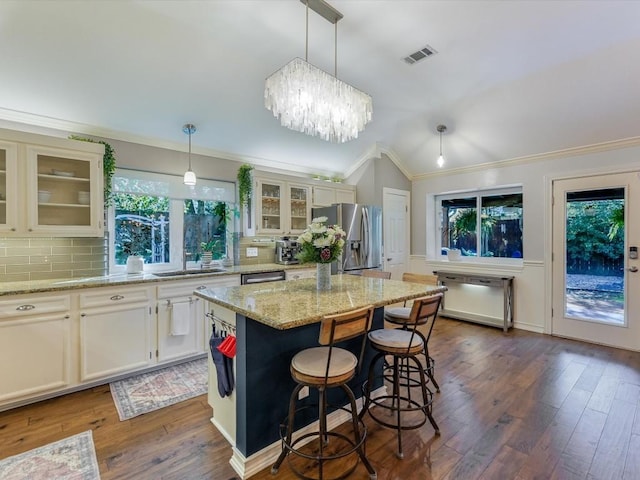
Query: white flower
{"x": 322, "y": 242}
{"x": 318, "y": 228}
{"x": 319, "y": 220}
{"x": 306, "y": 237}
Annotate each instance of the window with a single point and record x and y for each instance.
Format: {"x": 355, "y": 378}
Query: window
{"x": 481, "y": 224}
{"x": 167, "y": 223}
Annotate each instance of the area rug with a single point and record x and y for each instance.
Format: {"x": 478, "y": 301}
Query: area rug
{"x": 151, "y": 391}
{"x": 72, "y": 458}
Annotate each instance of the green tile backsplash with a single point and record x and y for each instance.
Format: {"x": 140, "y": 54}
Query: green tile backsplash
{"x": 23, "y": 259}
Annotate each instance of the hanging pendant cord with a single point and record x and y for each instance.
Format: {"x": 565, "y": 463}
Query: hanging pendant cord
{"x": 335, "y": 55}
{"x": 189, "y": 148}
{"x": 440, "y": 143}
{"x": 306, "y": 41}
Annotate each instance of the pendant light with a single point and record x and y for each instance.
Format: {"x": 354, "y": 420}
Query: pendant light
{"x": 189, "y": 176}
{"x": 441, "y": 129}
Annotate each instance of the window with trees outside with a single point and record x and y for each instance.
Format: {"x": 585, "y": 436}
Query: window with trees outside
{"x": 481, "y": 224}
{"x": 168, "y": 224}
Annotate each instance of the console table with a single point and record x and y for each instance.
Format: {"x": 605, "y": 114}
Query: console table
{"x": 504, "y": 283}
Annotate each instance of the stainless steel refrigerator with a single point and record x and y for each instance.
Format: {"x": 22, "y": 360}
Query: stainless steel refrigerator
{"x": 363, "y": 243}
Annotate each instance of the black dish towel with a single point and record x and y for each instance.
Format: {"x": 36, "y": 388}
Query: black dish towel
{"x": 224, "y": 366}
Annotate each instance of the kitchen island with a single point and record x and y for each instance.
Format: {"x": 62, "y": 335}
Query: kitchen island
{"x": 273, "y": 322}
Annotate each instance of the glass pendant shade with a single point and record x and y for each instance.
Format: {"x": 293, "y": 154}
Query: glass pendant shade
{"x": 440, "y": 161}
{"x": 189, "y": 178}
{"x": 309, "y": 100}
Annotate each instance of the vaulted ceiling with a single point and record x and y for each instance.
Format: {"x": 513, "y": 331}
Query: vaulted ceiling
{"x": 510, "y": 79}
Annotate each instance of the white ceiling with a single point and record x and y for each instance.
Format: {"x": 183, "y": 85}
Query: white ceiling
{"x": 510, "y": 79}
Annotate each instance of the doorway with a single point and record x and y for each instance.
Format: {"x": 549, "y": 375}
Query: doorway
{"x": 594, "y": 273}
{"x": 395, "y": 219}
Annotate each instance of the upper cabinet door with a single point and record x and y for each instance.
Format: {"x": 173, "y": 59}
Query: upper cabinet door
{"x": 8, "y": 187}
{"x": 64, "y": 192}
{"x": 270, "y": 207}
{"x": 299, "y": 207}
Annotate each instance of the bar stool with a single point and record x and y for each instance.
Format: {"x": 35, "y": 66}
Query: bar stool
{"x": 404, "y": 346}
{"x": 400, "y": 316}
{"x": 324, "y": 368}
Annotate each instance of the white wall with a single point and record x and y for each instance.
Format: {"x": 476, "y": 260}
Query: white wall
{"x": 532, "y": 278}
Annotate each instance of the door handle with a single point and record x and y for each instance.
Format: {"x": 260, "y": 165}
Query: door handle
{"x": 633, "y": 269}
{"x": 389, "y": 259}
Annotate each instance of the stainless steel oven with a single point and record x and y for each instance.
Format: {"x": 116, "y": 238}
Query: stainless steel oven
{"x": 262, "y": 277}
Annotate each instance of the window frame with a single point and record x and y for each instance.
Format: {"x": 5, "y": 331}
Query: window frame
{"x": 436, "y": 239}
{"x": 208, "y": 189}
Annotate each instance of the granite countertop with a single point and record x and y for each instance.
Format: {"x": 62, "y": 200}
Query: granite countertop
{"x": 284, "y": 305}
{"x": 54, "y": 285}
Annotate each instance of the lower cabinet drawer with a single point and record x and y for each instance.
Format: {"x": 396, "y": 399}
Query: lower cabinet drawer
{"x": 101, "y": 298}
{"x": 29, "y": 305}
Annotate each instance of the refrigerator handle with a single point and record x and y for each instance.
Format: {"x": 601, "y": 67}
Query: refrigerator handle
{"x": 366, "y": 225}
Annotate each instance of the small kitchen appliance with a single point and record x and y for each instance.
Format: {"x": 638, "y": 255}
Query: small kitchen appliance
{"x": 286, "y": 251}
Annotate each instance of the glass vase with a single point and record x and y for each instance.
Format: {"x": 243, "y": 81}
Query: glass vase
{"x": 323, "y": 276}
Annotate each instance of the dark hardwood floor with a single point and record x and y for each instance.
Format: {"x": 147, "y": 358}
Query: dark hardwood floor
{"x": 512, "y": 406}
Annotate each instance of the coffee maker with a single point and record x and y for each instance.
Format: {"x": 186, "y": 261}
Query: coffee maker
{"x": 286, "y": 251}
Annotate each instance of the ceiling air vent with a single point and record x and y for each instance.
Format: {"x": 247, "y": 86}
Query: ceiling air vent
{"x": 420, "y": 55}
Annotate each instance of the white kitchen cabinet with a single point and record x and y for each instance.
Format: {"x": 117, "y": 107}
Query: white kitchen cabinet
{"x": 176, "y": 298}
{"x": 116, "y": 334}
{"x": 8, "y": 187}
{"x": 64, "y": 192}
{"x": 327, "y": 195}
{"x": 282, "y": 207}
{"x": 35, "y": 346}
{"x": 50, "y": 186}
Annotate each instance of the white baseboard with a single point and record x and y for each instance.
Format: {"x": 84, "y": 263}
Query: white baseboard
{"x": 246, "y": 467}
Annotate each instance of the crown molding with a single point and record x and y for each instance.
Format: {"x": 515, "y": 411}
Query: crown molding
{"x": 538, "y": 157}
{"x": 375, "y": 151}
{"x": 64, "y": 128}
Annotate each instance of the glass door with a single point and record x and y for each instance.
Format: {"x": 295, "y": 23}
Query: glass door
{"x": 299, "y": 208}
{"x": 595, "y": 265}
{"x": 270, "y": 207}
{"x": 64, "y": 192}
{"x": 8, "y": 186}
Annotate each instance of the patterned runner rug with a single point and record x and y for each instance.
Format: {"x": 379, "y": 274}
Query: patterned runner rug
{"x": 72, "y": 458}
{"x": 151, "y": 391}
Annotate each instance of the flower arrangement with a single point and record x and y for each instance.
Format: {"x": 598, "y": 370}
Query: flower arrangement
{"x": 320, "y": 243}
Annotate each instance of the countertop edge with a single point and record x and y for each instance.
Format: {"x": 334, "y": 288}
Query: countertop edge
{"x": 256, "y": 316}
{"x": 63, "y": 284}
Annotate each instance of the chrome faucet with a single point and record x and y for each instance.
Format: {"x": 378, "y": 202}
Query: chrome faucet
{"x": 185, "y": 254}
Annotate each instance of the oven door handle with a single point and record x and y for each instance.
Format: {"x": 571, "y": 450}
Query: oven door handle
{"x": 249, "y": 281}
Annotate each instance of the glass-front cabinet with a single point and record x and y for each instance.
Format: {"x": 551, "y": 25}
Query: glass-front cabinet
{"x": 64, "y": 194}
{"x": 282, "y": 207}
{"x": 8, "y": 186}
{"x": 269, "y": 207}
{"x": 299, "y": 208}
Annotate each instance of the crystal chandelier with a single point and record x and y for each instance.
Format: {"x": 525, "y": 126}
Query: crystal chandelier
{"x": 312, "y": 101}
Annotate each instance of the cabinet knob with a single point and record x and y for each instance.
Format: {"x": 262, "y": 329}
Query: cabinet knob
{"x": 83, "y": 314}
{"x": 13, "y": 229}
{"x": 67, "y": 317}
{"x": 115, "y": 298}
{"x": 25, "y": 308}
{"x": 31, "y": 229}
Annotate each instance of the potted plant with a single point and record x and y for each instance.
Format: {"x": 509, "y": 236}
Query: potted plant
{"x": 207, "y": 250}
{"x": 245, "y": 189}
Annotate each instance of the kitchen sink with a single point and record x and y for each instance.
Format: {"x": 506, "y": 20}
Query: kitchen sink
{"x": 178, "y": 273}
